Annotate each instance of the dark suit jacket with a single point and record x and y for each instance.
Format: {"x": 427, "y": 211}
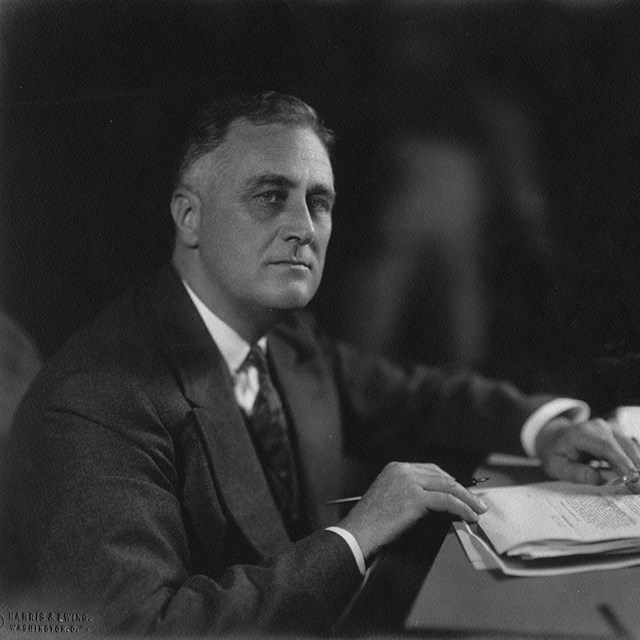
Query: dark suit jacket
{"x": 132, "y": 491}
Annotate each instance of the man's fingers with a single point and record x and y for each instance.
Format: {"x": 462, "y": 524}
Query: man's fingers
{"x": 596, "y": 438}
{"x": 450, "y": 503}
{"x": 441, "y": 490}
{"x": 445, "y": 494}
{"x": 631, "y": 447}
{"x": 559, "y": 466}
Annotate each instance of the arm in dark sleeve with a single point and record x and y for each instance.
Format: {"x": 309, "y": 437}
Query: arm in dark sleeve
{"x": 92, "y": 520}
{"x": 412, "y": 412}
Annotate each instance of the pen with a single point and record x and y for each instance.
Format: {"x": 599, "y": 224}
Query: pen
{"x": 472, "y": 482}
{"x": 631, "y": 478}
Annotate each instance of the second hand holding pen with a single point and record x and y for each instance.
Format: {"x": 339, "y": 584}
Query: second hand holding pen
{"x": 472, "y": 482}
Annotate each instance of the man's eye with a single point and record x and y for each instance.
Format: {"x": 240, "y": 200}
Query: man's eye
{"x": 272, "y": 197}
{"x": 319, "y": 205}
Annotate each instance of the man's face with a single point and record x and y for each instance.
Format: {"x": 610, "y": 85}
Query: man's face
{"x": 265, "y": 220}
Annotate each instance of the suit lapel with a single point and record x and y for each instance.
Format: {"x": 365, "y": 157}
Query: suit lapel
{"x": 207, "y": 385}
{"x": 307, "y": 390}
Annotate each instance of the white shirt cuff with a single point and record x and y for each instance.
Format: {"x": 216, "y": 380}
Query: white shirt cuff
{"x": 576, "y": 410}
{"x": 628, "y": 421}
{"x": 353, "y": 545}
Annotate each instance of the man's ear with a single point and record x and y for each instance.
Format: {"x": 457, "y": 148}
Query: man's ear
{"x": 186, "y": 208}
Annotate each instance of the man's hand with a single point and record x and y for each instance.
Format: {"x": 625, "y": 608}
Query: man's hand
{"x": 401, "y": 495}
{"x": 565, "y": 449}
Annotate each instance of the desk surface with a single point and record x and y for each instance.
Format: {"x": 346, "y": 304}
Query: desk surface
{"x": 422, "y": 587}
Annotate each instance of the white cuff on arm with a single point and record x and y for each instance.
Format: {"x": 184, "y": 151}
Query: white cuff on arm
{"x": 576, "y": 410}
{"x": 353, "y": 544}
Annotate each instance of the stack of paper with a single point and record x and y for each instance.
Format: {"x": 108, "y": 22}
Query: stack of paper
{"x": 555, "y": 527}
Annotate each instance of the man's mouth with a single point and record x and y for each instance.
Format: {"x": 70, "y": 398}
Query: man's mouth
{"x": 294, "y": 263}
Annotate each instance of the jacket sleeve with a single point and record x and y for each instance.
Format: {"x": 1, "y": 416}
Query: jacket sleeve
{"x": 426, "y": 413}
{"x": 91, "y": 521}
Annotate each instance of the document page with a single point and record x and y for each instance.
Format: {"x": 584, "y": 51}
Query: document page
{"x": 558, "y": 516}
{"x": 483, "y": 557}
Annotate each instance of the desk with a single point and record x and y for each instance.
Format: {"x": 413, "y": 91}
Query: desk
{"x": 425, "y": 585}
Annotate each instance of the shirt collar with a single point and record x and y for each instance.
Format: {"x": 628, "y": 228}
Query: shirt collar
{"x": 234, "y": 349}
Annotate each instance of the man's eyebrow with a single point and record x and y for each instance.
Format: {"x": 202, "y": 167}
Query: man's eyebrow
{"x": 322, "y": 190}
{"x": 271, "y": 180}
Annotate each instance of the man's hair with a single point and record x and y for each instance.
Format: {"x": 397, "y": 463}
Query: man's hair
{"x": 209, "y": 128}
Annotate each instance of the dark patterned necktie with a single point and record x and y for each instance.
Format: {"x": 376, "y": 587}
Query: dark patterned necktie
{"x": 268, "y": 425}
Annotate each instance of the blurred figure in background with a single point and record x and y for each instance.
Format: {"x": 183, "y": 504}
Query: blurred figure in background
{"x": 428, "y": 271}
{"x": 464, "y": 256}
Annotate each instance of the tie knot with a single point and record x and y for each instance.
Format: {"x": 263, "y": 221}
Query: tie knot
{"x": 257, "y": 358}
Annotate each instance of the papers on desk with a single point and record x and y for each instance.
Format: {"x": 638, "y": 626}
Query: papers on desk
{"x": 551, "y": 528}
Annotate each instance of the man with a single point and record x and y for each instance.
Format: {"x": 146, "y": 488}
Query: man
{"x": 165, "y": 478}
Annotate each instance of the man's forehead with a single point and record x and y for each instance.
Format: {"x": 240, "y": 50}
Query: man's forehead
{"x": 273, "y": 149}
{"x": 274, "y": 137}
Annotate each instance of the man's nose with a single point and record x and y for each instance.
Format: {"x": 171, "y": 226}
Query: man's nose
{"x": 298, "y": 226}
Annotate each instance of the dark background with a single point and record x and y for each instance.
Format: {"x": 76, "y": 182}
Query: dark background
{"x": 93, "y": 94}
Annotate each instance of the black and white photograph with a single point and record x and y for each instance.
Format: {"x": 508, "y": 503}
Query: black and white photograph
{"x": 320, "y": 318}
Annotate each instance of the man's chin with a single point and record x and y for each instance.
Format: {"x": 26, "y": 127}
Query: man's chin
{"x": 291, "y": 299}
